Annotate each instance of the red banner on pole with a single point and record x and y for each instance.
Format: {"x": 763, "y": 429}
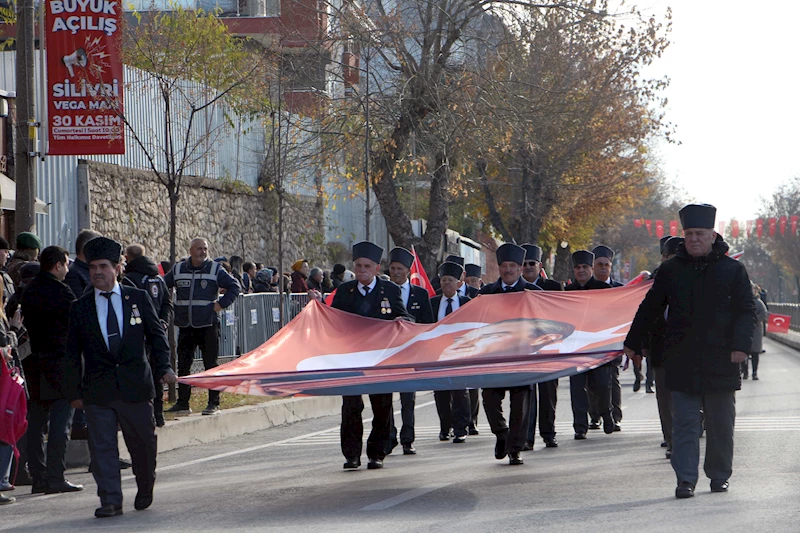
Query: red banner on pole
{"x": 649, "y": 225}
{"x": 773, "y": 222}
{"x": 659, "y": 228}
{"x": 793, "y": 219}
{"x": 84, "y": 74}
{"x": 734, "y": 228}
{"x": 778, "y": 323}
{"x": 782, "y": 225}
{"x": 749, "y": 225}
{"x": 759, "y": 227}
{"x": 673, "y": 228}
{"x": 722, "y": 228}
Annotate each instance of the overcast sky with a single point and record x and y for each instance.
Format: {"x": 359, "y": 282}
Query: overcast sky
{"x": 735, "y": 85}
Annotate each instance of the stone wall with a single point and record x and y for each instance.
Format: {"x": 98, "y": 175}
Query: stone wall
{"x": 131, "y": 205}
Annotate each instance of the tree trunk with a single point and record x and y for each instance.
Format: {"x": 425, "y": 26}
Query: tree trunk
{"x": 562, "y": 270}
{"x": 438, "y": 214}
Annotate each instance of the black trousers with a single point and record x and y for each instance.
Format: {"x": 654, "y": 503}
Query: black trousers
{"x": 545, "y": 407}
{"x": 352, "y": 431}
{"x": 649, "y": 374}
{"x": 664, "y": 400}
{"x": 189, "y": 339}
{"x": 475, "y": 407}
{"x": 408, "y": 401}
{"x": 616, "y": 393}
{"x": 138, "y": 430}
{"x": 57, "y": 416}
{"x": 517, "y": 429}
{"x": 598, "y": 382}
{"x": 454, "y": 410}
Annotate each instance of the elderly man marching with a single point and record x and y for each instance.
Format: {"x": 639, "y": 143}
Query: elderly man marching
{"x": 710, "y": 323}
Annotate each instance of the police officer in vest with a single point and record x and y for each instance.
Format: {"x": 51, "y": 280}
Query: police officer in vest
{"x": 198, "y": 282}
{"x": 510, "y": 438}
{"x": 418, "y": 304}
{"x": 370, "y": 296}
{"x": 545, "y": 408}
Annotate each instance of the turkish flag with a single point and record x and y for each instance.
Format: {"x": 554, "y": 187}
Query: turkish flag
{"x": 659, "y": 228}
{"x": 772, "y": 223}
{"x": 778, "y": 323}
{"x": 637, "y": 223}
{"x": 418, "y": 276}
{"x": 759, "y": 227}
{"x": 793, "y": 219}
{"x": 782, "y": 223}
{"x": 722, "y": 228}
{"x": 734, "y": 228}
{"x": 329, "y": 297}
{"x": 649, "y": 225}
{"x": 673, "y": 228}
{"x": 749, "y": 225}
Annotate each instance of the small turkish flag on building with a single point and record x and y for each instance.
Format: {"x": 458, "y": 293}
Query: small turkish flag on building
{"x": 659, "y": 228}
{"x": 778, "y": 323}
{"x": 418, "y": 277}
{"x": 782, "y": 225}
{"x": 793, "y": 220}
{"x": 649, "y": 225}
{"x": 673, "y": 228}
{"x": 773, "y": 222}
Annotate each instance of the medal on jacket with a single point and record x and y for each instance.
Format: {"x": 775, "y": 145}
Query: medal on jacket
{"x": 386, "y": 307}
{"x": 136, "y": 318}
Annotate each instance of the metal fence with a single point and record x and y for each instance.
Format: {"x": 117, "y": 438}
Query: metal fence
{"x": 250, "y": 322}
{"x": 793, "y": 310}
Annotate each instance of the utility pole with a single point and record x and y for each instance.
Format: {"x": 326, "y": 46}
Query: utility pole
{"x": 24, "y": 145}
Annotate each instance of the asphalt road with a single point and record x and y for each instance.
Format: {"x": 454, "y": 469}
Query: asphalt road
{"x": 290, "y": 478}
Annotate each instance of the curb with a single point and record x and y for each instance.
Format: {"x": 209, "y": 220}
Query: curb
{"x": 784, "y": 339}
{"x": 199, "y": 429}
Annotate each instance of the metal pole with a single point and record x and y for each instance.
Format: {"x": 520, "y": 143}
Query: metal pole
{"x": 24, "y": 146}
{"x": 366, "y": 141}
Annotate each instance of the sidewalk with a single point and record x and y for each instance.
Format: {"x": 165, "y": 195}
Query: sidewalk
{"x": 199, "y": 429}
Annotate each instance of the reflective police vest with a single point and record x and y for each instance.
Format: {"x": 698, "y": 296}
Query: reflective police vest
{"x": 196, "y": 291}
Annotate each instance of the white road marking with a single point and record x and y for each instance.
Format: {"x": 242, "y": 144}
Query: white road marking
{"x": 404, "y": 497}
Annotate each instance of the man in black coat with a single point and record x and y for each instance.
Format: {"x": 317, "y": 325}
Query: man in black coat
{"x": 418, "y": 304}
{"x": 141, "y": 272}
{"x": 597, "y": 381}
{"x": 45, "y": 304}
{"x": 453, "y": 406}
{"x": 548, "y": 390}
{"x": 78, "y": 276}
{"x": 110, "y": 377}
{"x": 510, "y": 438}
{"x": 710, "y": 326}
{"x": 603, "y": 264}
{"x": 370, "y": 296}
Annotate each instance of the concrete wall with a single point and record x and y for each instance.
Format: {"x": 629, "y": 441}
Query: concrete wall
{"x": 131, "y": 205}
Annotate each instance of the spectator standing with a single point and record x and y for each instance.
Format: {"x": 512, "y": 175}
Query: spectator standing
{"x": 27, "y": 249}
{"x": 758, "y": 335}
{"x": 46, "y": 305}
{"x": 263, "y": 281}
{"x": 315, "y": 279}
{"x": 327, "y": 284}
{"x": 7, "y": 345}
{"x": 248, "y": 276}
{"x": 300, "y": 272}
{"x": 8, "y": 283}
{"x": 198, "y": 282}
{"x": 78, "y": 276}
{"x": 337, "y": 275}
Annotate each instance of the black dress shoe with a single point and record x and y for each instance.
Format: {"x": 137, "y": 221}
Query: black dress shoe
{"x": 142, "y": 501}
{"x": 352, "y": 463}
{"x": 500, "y": 448}
{"x": 617, "y": 427}
{"x": 444, "y": 436}
{"x": 474, "y": 431}
{"x": 650, "y": 390}
{"x": 160, "y": 420}
{"x": 123, "y": 464}
{"x": 719, "y": 485}
{"x": 637, "y": 385}
{"x": 514, "y": 459}
{"x": 668, "y": 454}
{"x": 408, "y": 449}
{"x": 551, "y": 442}
{"x": 38, "y": 487}
{"x": 594, "y": 424}
{"x": 375, "y": 464}
{"x": 460, "y": 440}
{"x": 528, "y": 446}
{"x": 580, "y": 435}
{"x": 664, "y": 444}
{"x": 107, "y": 511}
{"x": 64, "y": 486}
{"x": 755, "y": 376}
{"x": 608, "y": 424}
{"x": 684, "y": 490}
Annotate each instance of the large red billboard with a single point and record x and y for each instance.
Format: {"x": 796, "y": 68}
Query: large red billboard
{"x": 84, "y": 77}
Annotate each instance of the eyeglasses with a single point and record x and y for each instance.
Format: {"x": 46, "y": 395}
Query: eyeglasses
{"x": 530, "y": 263}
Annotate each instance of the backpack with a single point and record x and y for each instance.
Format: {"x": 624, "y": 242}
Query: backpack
{"x": 13, "y": 407}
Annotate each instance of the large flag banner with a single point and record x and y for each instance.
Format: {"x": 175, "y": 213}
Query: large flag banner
{"x": 84, "y": 77}
{"x": 501, "y": 340}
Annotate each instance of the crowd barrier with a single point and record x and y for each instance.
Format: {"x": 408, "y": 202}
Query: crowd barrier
{"x": 793, "y": 310}
{"x": 250, "y": 322}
